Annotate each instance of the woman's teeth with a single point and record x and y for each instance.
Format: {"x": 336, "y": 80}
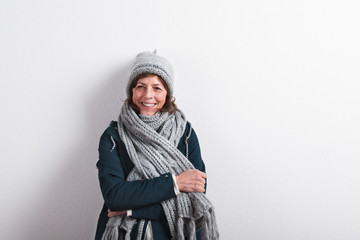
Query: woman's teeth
{"x": 148, "y": 104}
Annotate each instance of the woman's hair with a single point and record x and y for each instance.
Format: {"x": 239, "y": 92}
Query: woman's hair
{"x": 169, "y": 105}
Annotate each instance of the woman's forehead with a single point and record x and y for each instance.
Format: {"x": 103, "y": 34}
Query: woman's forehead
{"x": 151, "y": 80}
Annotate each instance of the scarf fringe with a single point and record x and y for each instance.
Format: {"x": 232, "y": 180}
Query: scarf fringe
{"x": 111, "y": 233}
{"x": 186, "y": 227}
{"x": 210, "y": 230}
{"x": 115, "y": 233}
{"x": 118, "y": 227}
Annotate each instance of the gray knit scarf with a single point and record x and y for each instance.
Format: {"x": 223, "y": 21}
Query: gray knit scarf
{"x": 151, "y": 142}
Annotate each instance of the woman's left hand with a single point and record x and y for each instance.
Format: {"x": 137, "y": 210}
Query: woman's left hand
{"x": 115, "y": 213}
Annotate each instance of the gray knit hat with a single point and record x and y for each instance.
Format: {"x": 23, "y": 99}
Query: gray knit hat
{"x": 150, "y": 62}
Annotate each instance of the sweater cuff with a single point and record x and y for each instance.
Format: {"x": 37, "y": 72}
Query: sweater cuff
{"x": 176, "y": 188}
{"x": 129, "y": 213}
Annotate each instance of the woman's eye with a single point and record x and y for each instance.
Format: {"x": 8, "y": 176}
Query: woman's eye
{"x": 138, "y": 87}
{"x": 157, "y": 88}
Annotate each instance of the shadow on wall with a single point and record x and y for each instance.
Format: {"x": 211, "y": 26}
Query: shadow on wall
{"x": 71, "y": 205}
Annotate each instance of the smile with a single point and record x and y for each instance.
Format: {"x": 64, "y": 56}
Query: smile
{"x": 148, "y": 104}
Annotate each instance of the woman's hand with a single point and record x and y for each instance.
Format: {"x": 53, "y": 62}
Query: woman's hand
{"x": 191, "y": 181}
{"x": 115, "y": 213}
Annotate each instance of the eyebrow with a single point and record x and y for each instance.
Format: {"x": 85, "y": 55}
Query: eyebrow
{"x": 156, "y": 84}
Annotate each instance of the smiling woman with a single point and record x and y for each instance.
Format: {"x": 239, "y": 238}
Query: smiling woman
{"x": 149, "y": 90}
{"x": 151, "y": 173}
{"x": 149, "y": 95}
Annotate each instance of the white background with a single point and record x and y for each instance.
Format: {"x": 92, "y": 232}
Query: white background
{"x": 271, "y": 87}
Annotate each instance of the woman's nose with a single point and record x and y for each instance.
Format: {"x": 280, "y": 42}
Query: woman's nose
{"x": 148, "y": 93}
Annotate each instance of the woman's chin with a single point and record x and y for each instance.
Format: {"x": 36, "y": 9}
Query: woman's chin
{"x": 148, "y": 112}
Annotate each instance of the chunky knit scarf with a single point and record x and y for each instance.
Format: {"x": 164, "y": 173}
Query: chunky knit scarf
{"x": 151, "y": 142}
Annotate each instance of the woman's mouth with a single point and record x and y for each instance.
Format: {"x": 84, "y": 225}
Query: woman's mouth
{"x": 148, "y": 104}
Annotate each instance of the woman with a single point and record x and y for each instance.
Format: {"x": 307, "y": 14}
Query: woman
{"x": 151, "y": 173}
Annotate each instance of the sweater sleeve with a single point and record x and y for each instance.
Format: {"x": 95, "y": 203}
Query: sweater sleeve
{"x": 120, "y": 194}
{"x": 195, "y": 152}
{"x": 151, "y": 212}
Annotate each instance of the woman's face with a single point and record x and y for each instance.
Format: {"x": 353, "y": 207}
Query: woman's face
{"x": 149, "y": 94}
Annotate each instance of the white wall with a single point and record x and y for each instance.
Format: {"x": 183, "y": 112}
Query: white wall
{"x": 271, "y": 87}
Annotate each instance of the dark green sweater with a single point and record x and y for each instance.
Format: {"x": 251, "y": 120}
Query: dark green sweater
{"x": 143, "y": 197}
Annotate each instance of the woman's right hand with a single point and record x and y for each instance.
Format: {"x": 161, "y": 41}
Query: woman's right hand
{"x": 115, "y": 213}
{"x": 191, "y": 181}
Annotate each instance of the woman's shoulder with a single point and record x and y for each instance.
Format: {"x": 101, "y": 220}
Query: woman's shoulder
{"x": 113, "y": 125}
{"x": 189, "y": 136}
{"x": 112, "y": 131}
{"x": 190, "y": 132}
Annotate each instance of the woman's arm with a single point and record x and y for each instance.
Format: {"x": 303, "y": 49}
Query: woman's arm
{"x": 195, "y": 153}
{"x": 141, "y": 210}
{"x": 120, "y": 194}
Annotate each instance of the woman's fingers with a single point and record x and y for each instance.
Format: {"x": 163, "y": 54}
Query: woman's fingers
{"x": 202, "y": 174}
{"x": 191, "y": 181}
{"x": 115, "y": 213}
{"x": 193, "y": 188}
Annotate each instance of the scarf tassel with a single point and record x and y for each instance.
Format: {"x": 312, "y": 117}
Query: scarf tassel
{"x": 192, "y": 230}
{"x": 187, "y": 227}
{"x": 180, "y": 229}
{"x": 127, "y": 236}
{"x": 115, "y": 233}
{"x": 110, "y": 233}
{"x": 209, "y": 227}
